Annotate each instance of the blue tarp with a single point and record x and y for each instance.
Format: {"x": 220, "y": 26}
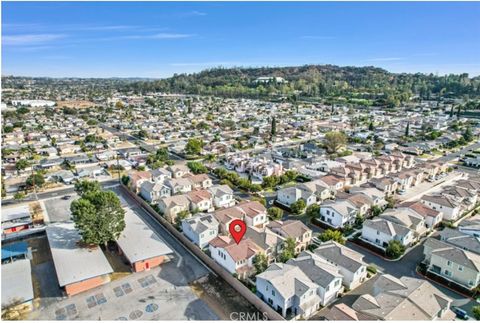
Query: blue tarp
{"x": 14, "y": 250}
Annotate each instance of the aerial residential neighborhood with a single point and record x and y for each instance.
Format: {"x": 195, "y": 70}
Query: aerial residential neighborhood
{"x": 339, "y": 191}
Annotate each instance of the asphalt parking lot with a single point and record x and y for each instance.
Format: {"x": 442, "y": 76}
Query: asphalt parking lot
{"x": 58, "y": 209}
{"x": 159, "y": 294}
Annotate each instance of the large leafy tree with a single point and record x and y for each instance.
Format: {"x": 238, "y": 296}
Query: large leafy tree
{"x": 288, "y": 251}
{"x": 197, "y": 167}
{"x": 85, "y": 186}
{"x": 21, "y": 164}
{"x": 260, "y": 261}
{"x": 35, "y": 180}
{"x": 334, "y": 235}
{"x": 334, "y": 140}
{"x": 395, "y": 249}
{"x": 194, "y": 146}
{"x": 275, "y": 213}
{"x": 98, "y": 216}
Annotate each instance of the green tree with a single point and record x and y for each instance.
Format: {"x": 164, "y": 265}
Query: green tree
{"x": 19, "y": 195}
{"x": 273, "y": 130}
{"x": 468, "y": 134}
{"x": 376, "y": 210}
{"x": 260, "y": 261}
{"x": 371, "y": 127}
{"x": 334, "y": 235}
{"x": 313, "y": 211}
{"x": 476, "y": 312}
{"x": 334, "y": 140}
{"x": 4, "y": 191}
{"x": 98, "y": 216}
{"x": 270, "y": 181}
{"x": 182, "y": 215}
{"x": 298, "y": 206}
{"x": 288, "y": 251}
{"x": 194, "y": 146}
{"x": 85, "y": 186}
{"x": 197, "y": 167}
{"x": 22, "y": 164}
{"x": 395, "y": 249}
{"x": 37, "y": 180}
{"x": 275, "y": 213}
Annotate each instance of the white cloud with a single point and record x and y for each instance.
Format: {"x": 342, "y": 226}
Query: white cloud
{"x": 159, "y": 36}
{"x": 29, "y": 39}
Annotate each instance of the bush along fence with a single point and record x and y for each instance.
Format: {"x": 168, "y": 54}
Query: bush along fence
{"x": 214, "y": 267}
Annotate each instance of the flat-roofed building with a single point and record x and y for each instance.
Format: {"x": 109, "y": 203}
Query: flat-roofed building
{"x": 142, "y": 247}
{"x": 17, "y": 287}
{"x": 78, "y": 268}
{"x": 15, "y": 219}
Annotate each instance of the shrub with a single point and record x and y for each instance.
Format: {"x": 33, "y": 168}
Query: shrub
{"x": 372, "y": 269}
{"x": 275, "y": 213}
{"x": 395, "y": 249}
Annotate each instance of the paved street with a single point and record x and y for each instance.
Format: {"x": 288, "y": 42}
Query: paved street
{"x": 54, "y": 193}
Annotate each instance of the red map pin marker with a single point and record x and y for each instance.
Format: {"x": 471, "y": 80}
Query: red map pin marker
{"x": 237, "y": 230}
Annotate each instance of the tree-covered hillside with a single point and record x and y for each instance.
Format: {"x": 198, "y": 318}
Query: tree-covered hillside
{"x": 368, "y": 83}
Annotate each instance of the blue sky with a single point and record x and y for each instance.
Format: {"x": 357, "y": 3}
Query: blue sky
{"x": 158, "y": 39}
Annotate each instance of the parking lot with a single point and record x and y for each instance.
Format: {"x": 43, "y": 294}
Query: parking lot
{"x": 161, "y": 293}
{"x": 58, "y": 208}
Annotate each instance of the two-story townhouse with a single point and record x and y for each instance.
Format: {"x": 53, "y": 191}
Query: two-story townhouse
{"x": 172, "y": 205}
{"x": 222, "y": 196}
{"x": 235, "y": 258}
{"x": 381, "y": 231}
{"x": 452, "y": 263}
{"x": 448, "y": 206}
{"x": 350, "y": 263}
{"x": 200, "y": 201}
{"x": 179, "y": 185}
{"x": 152, "y": 191}
{"x": 289, "y": 195}
{"x": 200, "y": 181}
{"x": 178, "y": 171}
{"x": 295, "y": 229}
{"x": 432, "y": 217}
{"x": 338, "y": 213}
{"x": 407, "y": 218}
{"x": 200, "y": 229}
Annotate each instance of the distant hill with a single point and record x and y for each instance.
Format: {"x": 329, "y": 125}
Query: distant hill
{"x": 370, "y": 83}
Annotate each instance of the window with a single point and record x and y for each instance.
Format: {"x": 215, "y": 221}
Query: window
{"x": 328, "y": 212}
{"x": 449, "y": 263}
{"x": 460, "y": 268}
{"x": 470, "y": 283}
{"x": 448, "y": 273}
{"x": 337, "y": 283}
{"x": 273, "y": 292}
{"x": 378, "y": 232}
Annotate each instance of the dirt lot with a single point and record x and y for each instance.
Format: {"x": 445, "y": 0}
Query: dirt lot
{"x": 225, "y": 303}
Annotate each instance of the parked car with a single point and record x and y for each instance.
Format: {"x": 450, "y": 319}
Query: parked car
{"x": 461, "y": 314}
{"x": 402, "y": 192}
{"x": 66, "y": 197}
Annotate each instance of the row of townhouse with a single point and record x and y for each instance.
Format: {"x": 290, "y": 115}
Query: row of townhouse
{"x": 258, "y": 167}
{"x": 455, "y": 256}
{"x": 298, "y": 288}
{"x": 199, "y": 200}
{"x": 397, "y": 299}
{"x": 411, "y": 220}
{"x": 348, "y": 207}
{"x": 456, "y": 199}
{"x": 262, "y": 237}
